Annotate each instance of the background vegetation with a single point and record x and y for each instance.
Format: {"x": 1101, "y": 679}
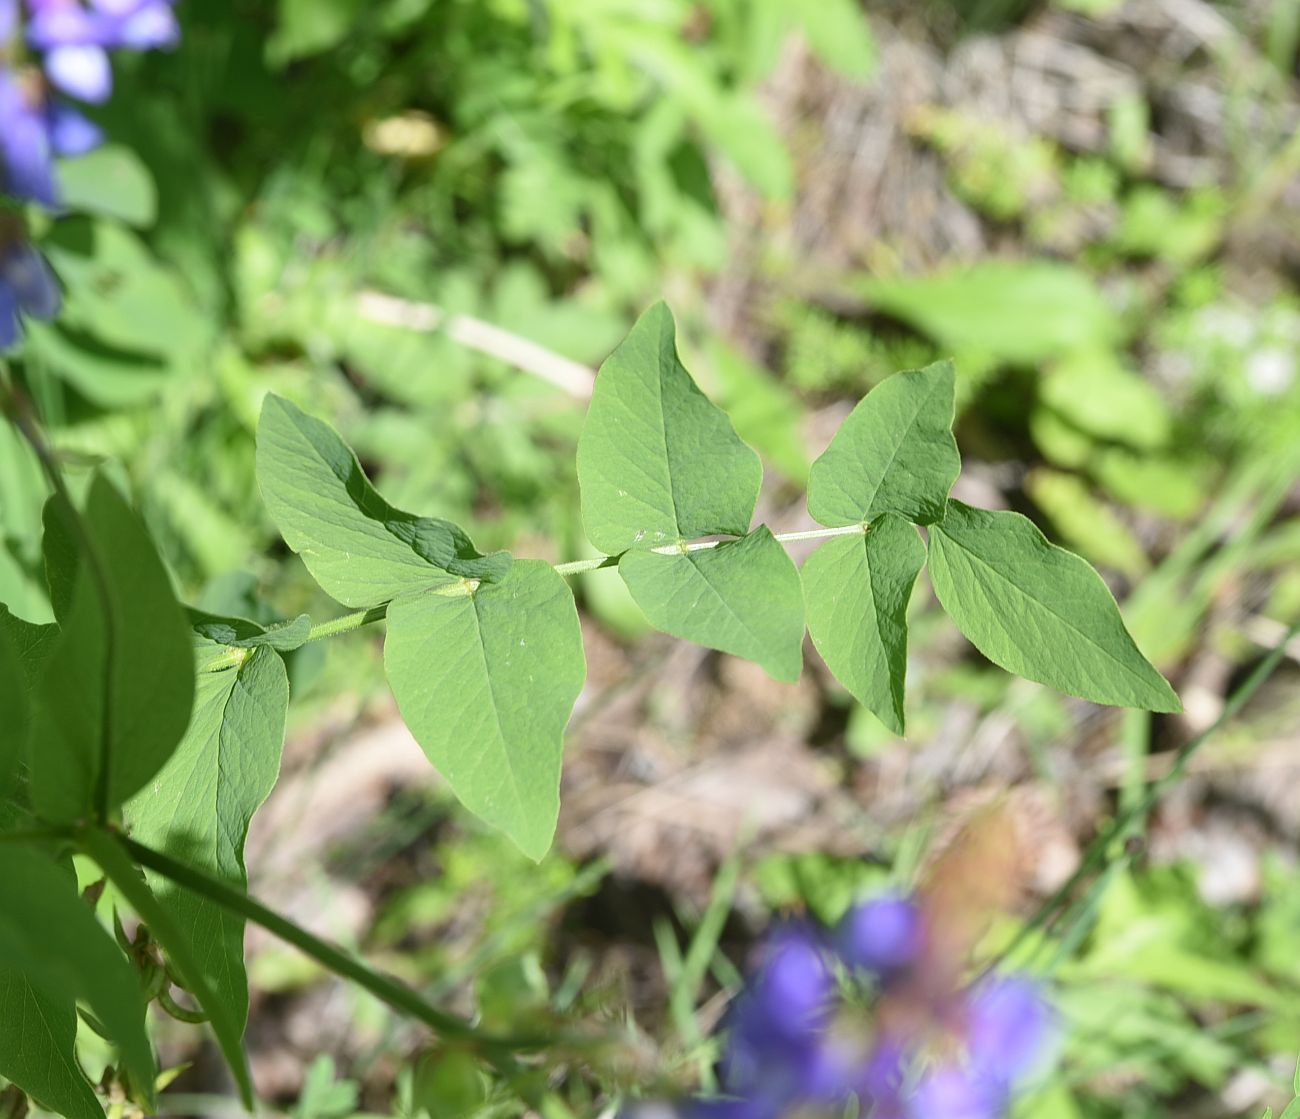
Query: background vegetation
{"x": 430, "y": 219}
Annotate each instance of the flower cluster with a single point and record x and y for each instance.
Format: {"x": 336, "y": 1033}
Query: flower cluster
{"x": 60, "y": 52}
{"x": 855, "y": 1014}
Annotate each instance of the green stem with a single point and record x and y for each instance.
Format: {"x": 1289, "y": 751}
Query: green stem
{"x": 388, "y": 990}
{"x": 359, "y": 618}
{"x": 1056, "y": 905}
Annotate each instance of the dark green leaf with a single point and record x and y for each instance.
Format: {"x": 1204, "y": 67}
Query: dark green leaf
{"x": 486, "y": 681}
{"x": 359, "y": 548}
{"x": 1038, "y": 610}
{"x": 658, "y": 462}
{"x": 198, "y": 808}
{"x": 857, "y": 589}
{"x": 742, "y": 597}
{"x": 124, "y": 653}
{"x": 240, "y": 633}
{"x": 894, "y": 454}
{"x": 129, "y": 882}
{"x": 52, "y": 938}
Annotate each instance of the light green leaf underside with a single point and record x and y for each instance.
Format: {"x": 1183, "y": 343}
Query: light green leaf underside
{"x": 125, "y": 657}
{"x": 857, "y": 589}
{"x": 894, "y": 454}
{"x": 658, "y": 462}
{"x": 359, "y": 548}
{"x": 486, "y": 683}
{"x": 51, "y": 937}
{"x": 1038, "y": 610}
{"x": 38, "y": 1032}
{"x": 129, "y": 882}
{"x": 742, "y": 597}
{"x": 198, "y": 808}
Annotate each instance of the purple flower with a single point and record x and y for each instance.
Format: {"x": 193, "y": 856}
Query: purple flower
{"x": 8, "y": 19}
{"x": 27, "y": 286}
{"x": 1009, "y": 1026}
{"x": 958, "y": 1092}
{"x": 883, "y": 935}
{"x": 33, "y": 130}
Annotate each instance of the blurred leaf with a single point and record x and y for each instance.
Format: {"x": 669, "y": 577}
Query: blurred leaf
{"x": 766, "y": 415}
{"x": 839, "y": 34}
{"x": 1098, "y": 394}
{"x": 1022, "y": 312}
{"x": 1088, "y": 525}
{"x": 112, "y": 182}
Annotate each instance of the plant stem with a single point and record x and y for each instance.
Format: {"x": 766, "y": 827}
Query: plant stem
{"x": 359, "y": 618}
{"x": 388, "y": 990}
{"x": 1056, "y": 905}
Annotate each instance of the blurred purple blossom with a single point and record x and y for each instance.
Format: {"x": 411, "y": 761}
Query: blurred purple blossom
{"x": 27, "y": 286}
{"x": 796, "y": 1043}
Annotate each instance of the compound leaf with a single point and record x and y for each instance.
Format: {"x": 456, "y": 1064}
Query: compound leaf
{"x": 1038, "y": 610}
{"x": 857, "y": 589}
{"x": 894, "y": 454}
{"x": 742, "y": 597}
{"x": 129, "y": 882}
{"x": 486, "y": 679}
{"x": 359, "y": 548}
{"x": 51, "y": 937}
{"x": 124, "y": 652}
{"x": 198, "y": 808}
{"x": 658, "y": 462}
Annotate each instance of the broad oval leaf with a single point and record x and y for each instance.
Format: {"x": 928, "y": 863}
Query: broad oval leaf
{"x": 894, "y": 454}
{"x": 1038, "y": 610}
{"x": 52, "y": 937}
{"x": 124, "y": 652}
{"x": 857, "y": 589}
{"x": 486, "y": 680}
{"x": 742, "y": 597}
{"x": 198, "y": 808}
{"x": 658, "y": 462}
{"x": 359, "y": 548}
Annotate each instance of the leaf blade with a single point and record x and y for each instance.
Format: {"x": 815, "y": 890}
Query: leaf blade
{"x": 359, "y": 548}
{"x": 658, "y": 462}
{"x": 894, "y": 454}
{"x": 1046, "y": 616}
{"x": 742, "y": 597}
{"x": 486, "y": 681}
{"x": 199, "y": 806}
{"x": 125, "y": 648}
{"x": 857, "y": 589}
{"x": 52, "y": 937}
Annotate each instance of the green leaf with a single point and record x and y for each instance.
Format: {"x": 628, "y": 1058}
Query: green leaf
{"x": 240, "y": 633}
{"x": 38, "y": 1032}
{"x": 486, "y": 681}
{"x": 894, "y": 454}
{"x": 129, "y": 882}
{"x": 658, "y": 462}
{"x": 742, "y": 597}
{"x": 857, "y": 589}
{"x": 1038, "y": 610}
{"x": 110, "y": 181}
{"x": 52, "y": 938}
{"x": 1018, "y": 311}
{"x": 198, "y": 808}
{"x": 839, "y": 34}
{"x": 124, "y": 652}
{"x": 15, "y": 708}
{"x": 359, "y": 548}
{"x": 37, "y": 1047}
